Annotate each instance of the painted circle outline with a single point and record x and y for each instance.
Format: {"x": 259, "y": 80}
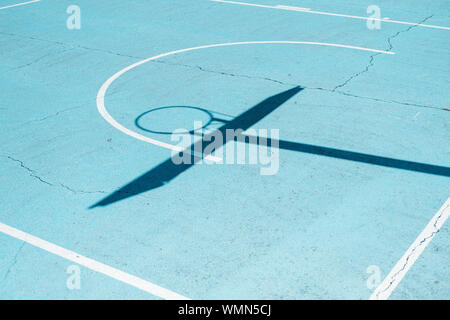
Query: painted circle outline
{"x": 103, "y": 89}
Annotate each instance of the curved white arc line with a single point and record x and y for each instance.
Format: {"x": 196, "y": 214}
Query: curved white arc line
{"x": 104, "y": 113}
{"x": 102, "y": 92}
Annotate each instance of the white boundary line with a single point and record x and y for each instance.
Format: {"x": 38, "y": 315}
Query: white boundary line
{"x": 19, "y": 4}
{"x": 92, "y": 264}
{"x": 307, "y": 10}
{"x": 102, "y": 92}
{"x": 384, "y": 290}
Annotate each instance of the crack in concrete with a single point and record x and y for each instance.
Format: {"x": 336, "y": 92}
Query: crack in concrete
{"x": 8, "y": 271}
{"x": 222, "y": 72}
{"x": 81, "y": 191}
{"x": 372, "y": 57}
{"x": 51, "y": 115}
{"x": 295, "y": 84}
{"x": 108, "y": 52}
{"x": 70, "y": 46}
{"x": 33, "y": 174}
{"x": 394, "y": 276}
{"x": 36, "y": 60}
{"x": 386, "y": 101}
{"x": 356, "y": 75}
{"x": 366, "y": 69}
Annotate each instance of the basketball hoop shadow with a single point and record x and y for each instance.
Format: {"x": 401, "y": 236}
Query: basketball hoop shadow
{"x": 168, "y": 170}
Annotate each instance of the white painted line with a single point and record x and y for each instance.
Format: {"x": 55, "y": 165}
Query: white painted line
{"x": 19, "y": 4}
{"x": 292, "y": 8}
{"x": 246, "y": 4}
{"x": 384, "y": 290}
{"x": 92, "y": 264}
{"x": 289, "y": 8}
{"x": 102, "y": 92}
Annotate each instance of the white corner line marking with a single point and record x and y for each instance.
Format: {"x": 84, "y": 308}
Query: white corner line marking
{"x": 102, "y": 91}
{"x": 307, "y": 10}
{"x": 19, "y": 4}
{"x": 92, "y": 264}
{"x": 384, "y": 290}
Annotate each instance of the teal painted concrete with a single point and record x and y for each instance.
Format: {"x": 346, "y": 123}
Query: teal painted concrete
{"x": 223, "y": 231}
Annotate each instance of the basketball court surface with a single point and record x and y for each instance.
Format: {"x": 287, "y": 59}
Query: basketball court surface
{"x": 351, "y": 202}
